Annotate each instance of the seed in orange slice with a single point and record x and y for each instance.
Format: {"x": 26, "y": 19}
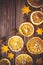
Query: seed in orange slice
{"x": 26, "y": 29}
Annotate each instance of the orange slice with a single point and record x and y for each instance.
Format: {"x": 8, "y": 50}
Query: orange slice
{"x": 15, "y": 43}
{"x": 35, "y": 3}
{"x": 35, "y": 45}
{"x": 36, "y": 17}
{"x": 5, "y": 61}
{"x": 26, "y": 29}
{"x": 24, "y": 59}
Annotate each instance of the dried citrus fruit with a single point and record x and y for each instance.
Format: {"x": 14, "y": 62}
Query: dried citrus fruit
{"x": 5, "y": 61}
{"x": 26, "y": 29}
{"x": 15, "y": 43}
{"x": 35, "y": 45}
{"x": 24, "y": 59}
{"x": 35, "y": 3}
{"x": 36, "y": 17}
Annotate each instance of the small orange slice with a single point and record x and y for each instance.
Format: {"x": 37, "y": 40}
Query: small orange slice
{"x": 26, "y": 29}
{"x": 36, "y": 17}
{"x": 35, "y": 45}
{"x": 15, "y": 43}
{"x": 24, "y": 59}
{"x": 35, "y": 3}
{"x": 5, "y": 61}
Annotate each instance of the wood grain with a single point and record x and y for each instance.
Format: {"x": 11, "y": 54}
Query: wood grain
{"x": 11, "y": 18}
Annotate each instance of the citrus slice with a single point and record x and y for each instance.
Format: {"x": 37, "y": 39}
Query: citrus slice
{"x": 36, "y": 17}
{"x": 35, "y": 3}
{"x": 24, "y": 59}
{"x": 26, "y": 29}
{"x": 5, "y": 61}
{"x": 35, "y": 45}
{"x": 15, "y": 43}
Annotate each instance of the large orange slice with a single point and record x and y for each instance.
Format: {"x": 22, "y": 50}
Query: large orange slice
{"x": 36, "y": 17}
{"x": 35, "y": 45}
{"x": 26, "y": 29}
{"x": 24, "y": 59}
{"x": 15, "y": 43}
{"x": 5, "y": 61}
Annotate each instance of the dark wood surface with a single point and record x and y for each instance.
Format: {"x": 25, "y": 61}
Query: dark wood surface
{"x": 10, "y": 18}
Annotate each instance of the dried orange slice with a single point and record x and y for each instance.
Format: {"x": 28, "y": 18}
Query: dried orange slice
{"x": 24, "y": 59}
{"x": 35, "y": 3}
{"x": 36, "y": 17}
{"x": 35, "y": 45}
{"x": 15, "y": 43}
{"x": 5, "y": 61}
{"x": 26, "y": 29}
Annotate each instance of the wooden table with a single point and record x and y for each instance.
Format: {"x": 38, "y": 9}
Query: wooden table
{"x": 10, "y": 18}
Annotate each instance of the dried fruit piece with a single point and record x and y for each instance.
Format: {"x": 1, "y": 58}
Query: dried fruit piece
{"x": 35, "y": 45}
{"x": 24, "y": 59}
{"x": 36, "y": 17}
{"x": 26, "y": 29}
{"x": 15, "y": 43}
{"x": 5, "y": 61}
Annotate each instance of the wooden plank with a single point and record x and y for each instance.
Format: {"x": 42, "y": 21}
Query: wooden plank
{"x": 7, "y": 21}
{"x": 19, "y": 15}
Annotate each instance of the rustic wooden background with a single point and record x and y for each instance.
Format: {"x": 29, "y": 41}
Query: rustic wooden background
{"x": 10, "y": 18}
